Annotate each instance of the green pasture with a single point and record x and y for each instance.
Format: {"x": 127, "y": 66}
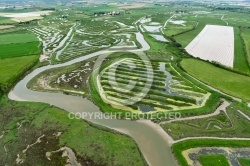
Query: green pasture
{"x": 240, "y": 57}
{"x": 19, "y": 49}
{"x": 14, "y": 38}
{"x": 172, "y": 29}
{"x": 12, "y": 68}
{"x": 185, "y": 38}
{"x": 6, "y": 20}
{"x": 18, "y": 43}
{"x": 215, "y": 160}
{"x": 229, "y": 82}
{"x": 246, "y": 37}
{"x": 244, "y": 161}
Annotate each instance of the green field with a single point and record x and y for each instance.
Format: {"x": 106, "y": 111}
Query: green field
{"x": 214, "y": 160}
{"x": 240, "y": 62}
{"x": 240, "y": 57}
{"x": 5, "y": 20}
{"x": 17, "y": 38}
{"x": 22, "y": 49}
{"x": 235, "y": 19}
{"x": 246, "y": 38}
{"x": 172, "y": 29}
{"x": 229, "y": 82}
{"x": 161, "y": 50}
{"x": 92, "y": 145}
{"x": 18, "y": 44}
{"x": 12, "y": 68}
{"x": 244, "y": 162}
{"x": 185, "y": 38}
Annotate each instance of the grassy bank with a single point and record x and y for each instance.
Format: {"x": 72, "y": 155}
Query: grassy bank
{"x": 244, "y": 162}
{"x": 173, "y": 29}
{"x": 12, "y": 68}
{"x": 246, "y": 38}
{"x": 240, "y": 57}
{"x": 229, "y": 82}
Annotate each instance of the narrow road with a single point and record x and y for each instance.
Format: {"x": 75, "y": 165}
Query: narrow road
{"x": 166, "y": 23}
{"x": 222, "y": 107}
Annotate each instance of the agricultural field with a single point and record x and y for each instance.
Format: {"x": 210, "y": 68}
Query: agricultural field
{"x": 223, "y": 18}
{"x": 244, "y": 161}
{"x": 232, "y": 83}
{"x": 5, "y": 20}
{"x": 24, "y": 17}
{"x": 176, "y": 27}
{"x": 98, "y": 8}
{"x": 208, "y": 17}
{"x": 6, "y": 27}
{"x": 215, "y": 44}
{"x": 240, "y": 52}
{"x": 246, "y": 38}
{"x": 202, "y": 20}
{"x": 18, "y": 44}
{"x": 12, "y": 68}
{"x": 12, "y": 38}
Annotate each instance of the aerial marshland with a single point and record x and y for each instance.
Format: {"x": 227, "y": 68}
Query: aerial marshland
{"x": 130, "y": 59}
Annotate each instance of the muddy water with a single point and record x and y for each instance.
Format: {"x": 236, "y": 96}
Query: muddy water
{"x": 61, "y": 44}
{"x": 152, "y": 29}
{"x": 151, "y": 139}
{"x": 159, "y": 38}
{"x": 169, "y": 78}
{"x": 162, "y": 68}
{"x": 61, "y": 51}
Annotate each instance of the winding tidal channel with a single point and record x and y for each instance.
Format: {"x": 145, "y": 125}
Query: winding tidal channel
{"x": 152, "y": 140}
